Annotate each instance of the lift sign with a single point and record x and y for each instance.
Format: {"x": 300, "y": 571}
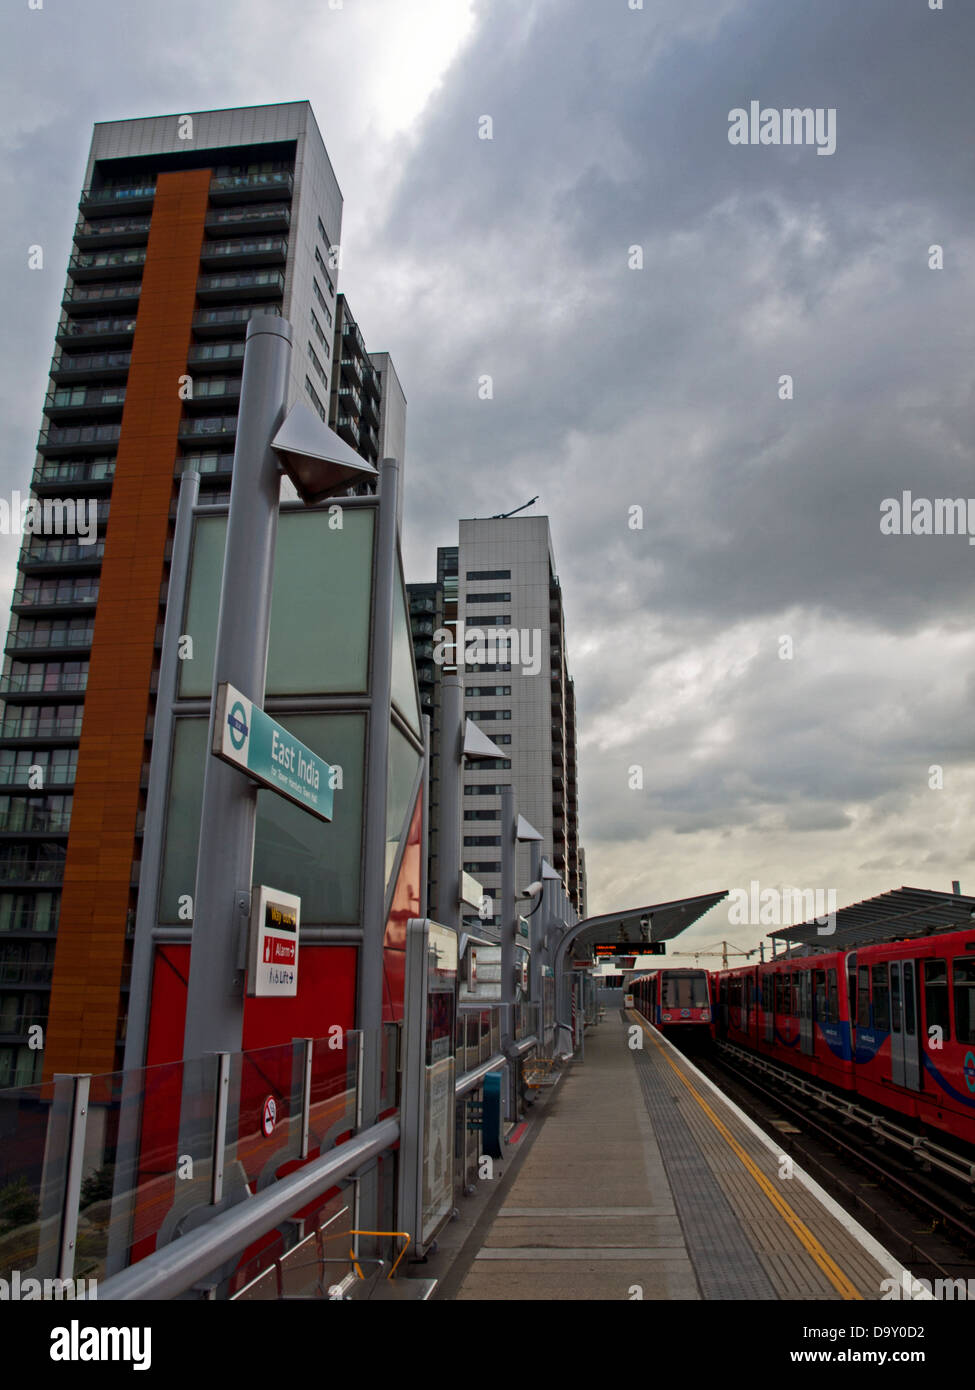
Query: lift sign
{"x": 273, "y": 963}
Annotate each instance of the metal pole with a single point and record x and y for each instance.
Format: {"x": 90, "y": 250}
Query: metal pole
{"x": 369, "y": 1010}
{"x": 143, "y": 946}
{"x": 425, "y": 823}
{"x": 221, "y": 902}
{"x": 509, "y": 927}
{"x": 449, "y": 855}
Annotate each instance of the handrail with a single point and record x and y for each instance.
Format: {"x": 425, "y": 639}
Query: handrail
{"x": 178, "y": 1266}
{"x": 471, "y": 1079}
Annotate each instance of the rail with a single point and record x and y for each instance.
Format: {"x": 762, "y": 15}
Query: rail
{"x": 178, "y": 1266}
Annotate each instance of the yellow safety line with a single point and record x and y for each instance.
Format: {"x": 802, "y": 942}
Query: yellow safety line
{"x": 825, "y": 1262}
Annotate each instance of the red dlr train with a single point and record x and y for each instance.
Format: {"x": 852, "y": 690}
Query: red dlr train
{"x": 894, "y": 1023}
{"x": 675, "y": 1001}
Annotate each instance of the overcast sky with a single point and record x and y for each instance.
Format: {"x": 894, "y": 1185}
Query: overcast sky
{"x": 616, "y": 387}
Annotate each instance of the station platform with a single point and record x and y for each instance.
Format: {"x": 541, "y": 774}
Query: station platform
{"x": 643, "y": 1182}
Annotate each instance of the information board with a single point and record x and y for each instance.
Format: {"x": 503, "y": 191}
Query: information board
{"x": 272, "y": 967}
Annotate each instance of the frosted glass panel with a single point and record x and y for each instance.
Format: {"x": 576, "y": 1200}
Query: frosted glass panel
{"x": 320, "y": 608}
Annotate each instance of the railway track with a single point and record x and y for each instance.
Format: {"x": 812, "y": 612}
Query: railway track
{"x": 917, "y": 1196}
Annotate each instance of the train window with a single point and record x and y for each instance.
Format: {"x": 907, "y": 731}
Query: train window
{"x": 766, "y": 994}
{"x": 782, "y": 995}
{"x": 832, "y": 997}
{"x": 820, "y": 1013}
{"x": 851, "y": 980}
{"x": 963, "y": 979}
{"x": 863, "y": 997}
{"x": 936, "y": 1008}
{"x": 794, "y": 993}
{"x": 910, "y": 1022}
{"x": 895, "y": 1000}
{"x": 881, "y": 998}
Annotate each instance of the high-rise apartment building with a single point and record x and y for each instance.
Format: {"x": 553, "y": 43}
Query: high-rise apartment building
{"x": 188, "y": 224}
{"x": 502, "y": 576}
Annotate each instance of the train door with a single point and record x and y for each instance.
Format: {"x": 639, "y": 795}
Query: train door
{"x": 806, "y": 1045}
{"x": 905, "y": 1062}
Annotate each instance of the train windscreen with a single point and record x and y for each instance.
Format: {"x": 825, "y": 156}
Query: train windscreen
{"x": 688, "y": 991}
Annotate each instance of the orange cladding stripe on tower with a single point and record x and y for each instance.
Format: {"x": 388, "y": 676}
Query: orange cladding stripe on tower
{"x": 85, "y": 998}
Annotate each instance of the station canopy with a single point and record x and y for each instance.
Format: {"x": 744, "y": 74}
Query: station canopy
{"x": 636, "y": 926}
{"x": 893, "y": 916}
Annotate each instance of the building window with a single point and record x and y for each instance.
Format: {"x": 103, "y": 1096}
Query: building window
{"x": 320, "y": 370}
{"x": 482, "y": 840}
{"x": 489, "y": 714}
{"x": 488, "y": 690}
{"x": 494, "y": 620}
{"x": 488, "y": 598}
{"x": 488, "y": 574}
{"x": 315, "y": 399}
{"x": 320, "y": 333}
{"x": 321, "y": 299}
{"x": 324, "y": 269}
{"x": 483, "y": 815}
{"x": 485, "y": 789}
{"x": 479, "y": 867}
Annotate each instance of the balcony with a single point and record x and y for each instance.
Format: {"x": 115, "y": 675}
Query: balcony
{"x": 220, "y": 390}
{"x": 55, "y": 474}
{"x": 276, "y": 217}
{"x": 255, "y": 284}
{"x": 240, "y": 188}
{"x": 60, "y": 552}
{"x": 106, "y": 332}
{"x": 134, "y": 197}
{"x": 120, "y": 231}
{"x": 38, "y": 976}
{"x": 29, "y": 818}
{"x": 348, "y": 395}
{"x": 218, "y": 428}
{"x": 57, "y": 726}
{"x": 90, "y": 439}
{"x": 352, "y": 339}
{"x": 370, "y": 408}
{"x": 103, "y": 265}
{"x": 39, "y": 682}
{"x": 220, "y": 322}
{"x": 69, "y": 401}
{"x": 61, "y": 638}
{"x": 214, "y": 356}
{"x": 116, "y": 295}
{"x": 34, "y": 596}
{"x": 348, "y": 428}
{"x": 79, "y": 366}
{"x": 30, "y": 871}
{"x": 257, "y": 251}
{"x": 352, "y": 367}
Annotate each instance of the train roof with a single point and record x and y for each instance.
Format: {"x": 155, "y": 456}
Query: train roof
{"x": 897, "y": 915}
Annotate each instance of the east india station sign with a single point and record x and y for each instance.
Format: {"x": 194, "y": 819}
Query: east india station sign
{"x": 257, "y": 744}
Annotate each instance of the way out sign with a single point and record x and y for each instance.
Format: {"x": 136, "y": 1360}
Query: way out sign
{"x": 250, "y": 739}
{"x": 272, "y": 968}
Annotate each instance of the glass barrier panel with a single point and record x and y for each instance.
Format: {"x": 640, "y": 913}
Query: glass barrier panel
{"x": 141, "y": 1178}
{"x": 29, "y": 1225}
{"x": 389, "y": 1093}
{"x": 334, "y": 1090}
{"x": 265, "y": 1094}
